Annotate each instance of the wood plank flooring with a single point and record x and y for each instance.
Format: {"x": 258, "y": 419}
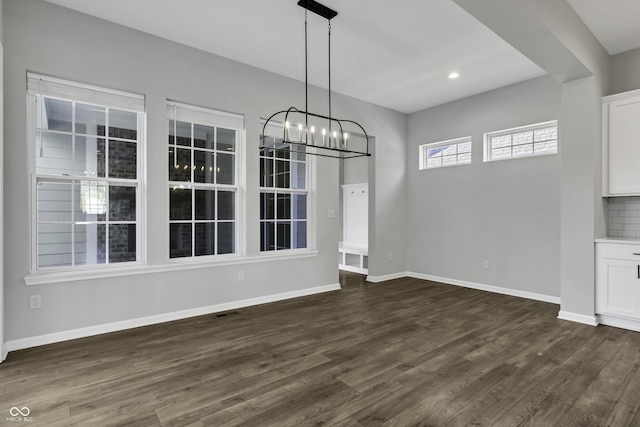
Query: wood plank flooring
{"x": 403, "y": 352}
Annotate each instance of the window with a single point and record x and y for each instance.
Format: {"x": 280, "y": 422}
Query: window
{"x": 446, "y": 153}
{"x": 88, "y": 152}
{"x": 525, "y": 141}
{"x": 203, "y": 181}
{"x": 283, "y": 194}
{"x": 88, "y": 143}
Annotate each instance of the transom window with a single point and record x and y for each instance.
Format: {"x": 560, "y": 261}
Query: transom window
{"x": 88, "y": 151}
{"x": 445, "y": 153}
{"x": 525, "y": 141}
{"x": 283, "y": 195}
{"x": 203, "y": 182}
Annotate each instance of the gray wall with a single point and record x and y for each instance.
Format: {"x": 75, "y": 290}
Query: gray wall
{"x": 2, "y": 320}
{"x": 625, "y": 72}
{"x": 45, "y": 38}
{"x": 550, "y": 33}
{"x": 582, "y": 209}
{"x": 506, "y": 212}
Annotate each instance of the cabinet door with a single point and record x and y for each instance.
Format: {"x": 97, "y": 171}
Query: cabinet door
{"x": 618, "y": 288}
{"x": 624, "y": 147}
{"x": 355, "y": 215}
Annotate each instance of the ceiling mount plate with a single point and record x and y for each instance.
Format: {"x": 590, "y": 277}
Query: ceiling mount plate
{"x": 319, "y": 9}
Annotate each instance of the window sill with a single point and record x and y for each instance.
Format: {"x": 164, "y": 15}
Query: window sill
{"x": 284, "y": 253}
{"x": 50, "y": 277}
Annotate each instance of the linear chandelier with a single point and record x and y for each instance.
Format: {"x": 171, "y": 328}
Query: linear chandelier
{"x": 330, "y": 141}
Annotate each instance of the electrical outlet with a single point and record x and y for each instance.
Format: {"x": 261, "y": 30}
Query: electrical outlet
{"x": 390, "y": 258}
{"x": 331, "y": 214}
{"x": 35, "y": 301}
{"x": 485, "y": 265}
{"x": 242, "y": 276}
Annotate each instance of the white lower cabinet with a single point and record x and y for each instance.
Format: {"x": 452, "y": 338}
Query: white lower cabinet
{"x": 618, "y": 285}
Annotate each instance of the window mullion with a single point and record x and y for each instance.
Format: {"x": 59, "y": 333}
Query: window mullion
{"x": 73, "y": 184}
{"x": 275, "y": 220}
{"x": 107, "y": 176}
{"x": 215, "y": 222}
{"x": 193, "y": 190}
{"x": 107, "y": 221}
{"x": 73, "y": 223}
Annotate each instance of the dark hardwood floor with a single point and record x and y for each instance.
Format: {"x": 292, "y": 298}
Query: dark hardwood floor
{"x": 403, "y": 352}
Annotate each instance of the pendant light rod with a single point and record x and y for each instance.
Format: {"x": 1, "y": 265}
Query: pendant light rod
{"x": 329, "y": 74}
{"x": 306, "y": 74}
{"x": 319, "y": 9}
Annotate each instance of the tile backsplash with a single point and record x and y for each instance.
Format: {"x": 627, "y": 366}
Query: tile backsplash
{"x": 623, "y": 217}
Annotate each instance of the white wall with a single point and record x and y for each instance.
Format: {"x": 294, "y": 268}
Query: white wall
{"x": 45, "y": 38}
{"x": 625, "y": 72}
{"x": 505, "y": 212}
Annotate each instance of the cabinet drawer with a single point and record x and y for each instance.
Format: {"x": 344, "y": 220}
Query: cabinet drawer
{"x": 618, "y": 251}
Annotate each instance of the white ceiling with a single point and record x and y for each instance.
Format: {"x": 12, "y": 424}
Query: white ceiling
{"x": 396, "y": 56}
{"x": 615, "y": 23}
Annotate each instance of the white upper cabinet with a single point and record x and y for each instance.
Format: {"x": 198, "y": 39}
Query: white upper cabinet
{"x": 621, "y": 144}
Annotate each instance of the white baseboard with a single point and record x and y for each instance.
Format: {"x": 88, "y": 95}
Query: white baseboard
{"x": 159, "y": 318}
{"x": 578, "y": 318}
{"x": 619, "y": 322}
{"x": 352, "y": 269}
{"x": 488, "y": 288}
{"x": 384, "y": 278}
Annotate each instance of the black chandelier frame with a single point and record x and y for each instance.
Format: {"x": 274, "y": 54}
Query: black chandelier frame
{"x": 320, "y": 150}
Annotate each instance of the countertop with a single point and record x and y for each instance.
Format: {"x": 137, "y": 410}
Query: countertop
{"x": 619, "y": 240}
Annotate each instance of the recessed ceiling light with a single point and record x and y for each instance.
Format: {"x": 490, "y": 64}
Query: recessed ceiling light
{"x": 454, "y": 75}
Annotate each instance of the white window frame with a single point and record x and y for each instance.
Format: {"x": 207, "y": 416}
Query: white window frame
{"x": 39, "y": 86}
{"x": 424, "y": 149}
{"x": 487, "y": 146}
{"x": 210, "y": 117}
{"x": 275, "y": 130}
